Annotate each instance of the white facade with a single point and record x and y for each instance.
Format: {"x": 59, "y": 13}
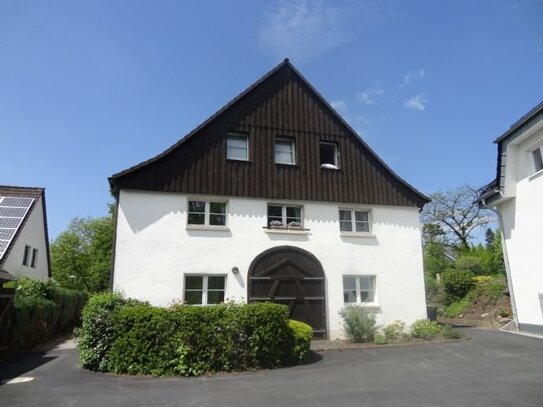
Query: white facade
{"x": 155, "y": 249}
{"x": 521, "y": 210}
{"x": 33, "y": 236}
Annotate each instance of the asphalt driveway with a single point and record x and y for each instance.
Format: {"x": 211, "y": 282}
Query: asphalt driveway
{"x": 491, "y": 369}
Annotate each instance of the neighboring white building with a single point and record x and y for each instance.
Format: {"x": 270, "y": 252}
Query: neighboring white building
{"x": 24, "y": 242}
{"x": 273, "y": 198}
{"x": 517, "y": 195}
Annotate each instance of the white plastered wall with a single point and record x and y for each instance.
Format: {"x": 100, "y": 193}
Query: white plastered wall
{"x": 33, "y": 235}
{"x": 154, "y": 249}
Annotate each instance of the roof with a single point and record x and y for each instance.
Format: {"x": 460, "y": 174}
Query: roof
{"x": 26, "y": 192}
{"x": 113, "y": 180}
{"x": 5, "y": 276}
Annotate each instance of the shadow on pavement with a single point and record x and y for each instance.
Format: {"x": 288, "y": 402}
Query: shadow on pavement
{"x": 22, "y": 363}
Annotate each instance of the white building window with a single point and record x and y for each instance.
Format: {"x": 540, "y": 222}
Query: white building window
{"x": 237, "y": 147}
{"x": 329, "y": 157}
{"x": 34, "y": 260}
{"x": 359, "y": 290}
{"x": 26, "y": 255}
{"x": 285, "y": 216}
{"x": 537, "y": 157}
{"x": 204, "y": 290}
{"x": 207, "y": 213}
{"x": 284, "y": 151}
{"x": 351, "y": 220}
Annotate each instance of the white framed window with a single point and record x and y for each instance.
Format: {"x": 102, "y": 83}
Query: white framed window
{"x": 537, "y": 158}
{"x": 34, "y": 260}
{"x": 26, "y": 255}
{"x": 354, "y": 220}
{"x": 204, "y": 289}
{"x": 329, "y": 156}
{"x": 286, "y": 216}
{"x": 237, "y": 147}
{"x": 359, "y": 290}
{"x": 285, "y": 151}
{"x": 206, "y": 213}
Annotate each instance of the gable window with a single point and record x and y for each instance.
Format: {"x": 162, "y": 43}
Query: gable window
{"x": 359, "y": 289}
{"x": 207, "y": 213}
{"x": 204, "y": 290}
{"x": 537, "y": 156}
{"x": 284, "y": 216}
{"x": 329, "y": 155}
{"x": 284, "y": 151}
{"x": 351, "y": 220}
{"x": 34, "y": 260}
{"x": 237, "y": 147}
{"x": 26, "y": 255}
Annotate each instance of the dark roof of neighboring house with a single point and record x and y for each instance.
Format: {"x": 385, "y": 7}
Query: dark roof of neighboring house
{"x": 26, "y": 192}
{"x": 116, "y": 179}
{"x": 5, "y": 276}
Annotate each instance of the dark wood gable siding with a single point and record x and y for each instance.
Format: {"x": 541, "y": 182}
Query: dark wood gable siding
{"x": 281, "y": 105}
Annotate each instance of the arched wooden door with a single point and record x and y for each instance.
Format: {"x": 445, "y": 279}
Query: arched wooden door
{"x": 294, "y": 277}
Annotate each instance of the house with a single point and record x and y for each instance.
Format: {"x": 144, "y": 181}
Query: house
{"x": 517, "y": 196}
{"x": 24, "y": 241}
{"x": 273, "y": 198}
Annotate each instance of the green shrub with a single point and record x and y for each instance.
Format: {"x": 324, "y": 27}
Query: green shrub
{"x": 394, "y": 330}
{"x": 425, "y": 329}
{"x": 456, "y": 284}
{"x": 358, "y": 323}
{"x": 302, "y": 336}
{"x": 458, "y": 307}
{"x": 447, "y": 332}
{"x": 380, "y": 339}
{"x": 471, "y": 264}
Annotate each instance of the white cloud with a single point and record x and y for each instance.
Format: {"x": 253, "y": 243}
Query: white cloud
{"x": 301, "y": 29}
{"x": 414, "y": 76}
{"x": 417, "y": 103}
{"x": 339, "y": 105}
{"x": 370, "y": 96}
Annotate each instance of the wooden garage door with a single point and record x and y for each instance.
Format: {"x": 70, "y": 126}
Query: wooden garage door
{"x": 291, "y": 276}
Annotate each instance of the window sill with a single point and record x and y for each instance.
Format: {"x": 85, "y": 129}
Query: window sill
{"x": 536, "y": 175}
{"x": 286, "y": 231}
{"x": 208, "y": 227}
{"x": 237, "y": 160}
{"x": 286, "y": 164}
{"x": 357, "y": 234}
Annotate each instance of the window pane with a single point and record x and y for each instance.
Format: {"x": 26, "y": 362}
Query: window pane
{"x": 349, "y": 296}
{"x": 275, "y": 211}
{"x": 284, "y": 158}
{"x": 284, "y": 152}
{"x": 215, "y": 283}
{"x": 26, "y": 255}
{"x": 361, "y": 216}
{"x": 349, "y": 283}
{"x": 538, "y": 161}
{"x": 294, "y": 212}
{"x": 344, "y": 215}
{"x": 237, "y": 142}
{"x": 362, "y": 227}
{"x": 217, "y": 220}
{"x": 34, "y": 258}
{"x": 366, "y": 296}
{"x": 193, "y": 282}
{"x": 193, "y": 297}
{"x": 328, "y": 154}
{"x": 197, "y": 206}
{"x": 366, "y": 283}
{"x": 196, "y": 219}
{"x": 215, "y": 297}
{"x": 236, "y": 147}
{"x": 217, "y": 207}
{"x": 345, "y": 226}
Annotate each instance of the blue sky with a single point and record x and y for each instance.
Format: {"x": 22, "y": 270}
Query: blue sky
{"x": 89, "y": 88}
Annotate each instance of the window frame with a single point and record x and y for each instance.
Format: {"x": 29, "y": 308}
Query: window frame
{"x": 207, "y": 214}
{"x": 539, "y": 151}
{"x": 284, "y": 216}
{"x": 359, "y": 290}
{"x": 329, "y": 166}
{"x": 238, "y": 135}
{"x": 26, "y": 255}
{"x": 353, "y": 231}
{"x": 34, "y": 258}
{"x": 205, "y": 289}
{"x": 292, "y": 142}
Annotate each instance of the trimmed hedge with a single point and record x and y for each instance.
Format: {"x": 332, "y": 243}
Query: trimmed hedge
{"x": 126, "y": 336}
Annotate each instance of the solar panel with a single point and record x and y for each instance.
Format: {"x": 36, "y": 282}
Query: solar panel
{"x": 12, "y": 213}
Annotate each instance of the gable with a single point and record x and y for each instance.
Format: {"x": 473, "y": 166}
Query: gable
{"x": 281, "y": 104}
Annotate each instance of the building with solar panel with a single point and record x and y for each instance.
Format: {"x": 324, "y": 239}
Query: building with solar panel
{"x": 24, "y": 242}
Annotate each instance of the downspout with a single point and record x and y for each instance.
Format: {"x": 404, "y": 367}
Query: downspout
{"x": 505, "y": 260}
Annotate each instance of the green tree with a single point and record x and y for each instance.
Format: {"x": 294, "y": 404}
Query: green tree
{"x": 81, "y": 255}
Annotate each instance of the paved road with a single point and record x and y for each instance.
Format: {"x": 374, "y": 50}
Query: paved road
{"x": 492, "y": 369}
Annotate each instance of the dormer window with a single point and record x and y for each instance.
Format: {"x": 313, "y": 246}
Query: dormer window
{"x": 537, "y": 156}
{"x": 284, "y": 151}
{"x": 237, "y": 147}
{"x": 329, "y": 155}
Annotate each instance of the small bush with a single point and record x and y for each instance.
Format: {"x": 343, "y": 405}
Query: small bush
{"x": 456, "y": 284}
{"x": 394, "y": 330}
{"x": 425, "y": 329}
{"x": 458, "y": 307}
{"x": 471, "y": 264}
{"x": 380, "y": 339}
{"x": 302, "y": 336}
{"x": 358, "y": 323}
